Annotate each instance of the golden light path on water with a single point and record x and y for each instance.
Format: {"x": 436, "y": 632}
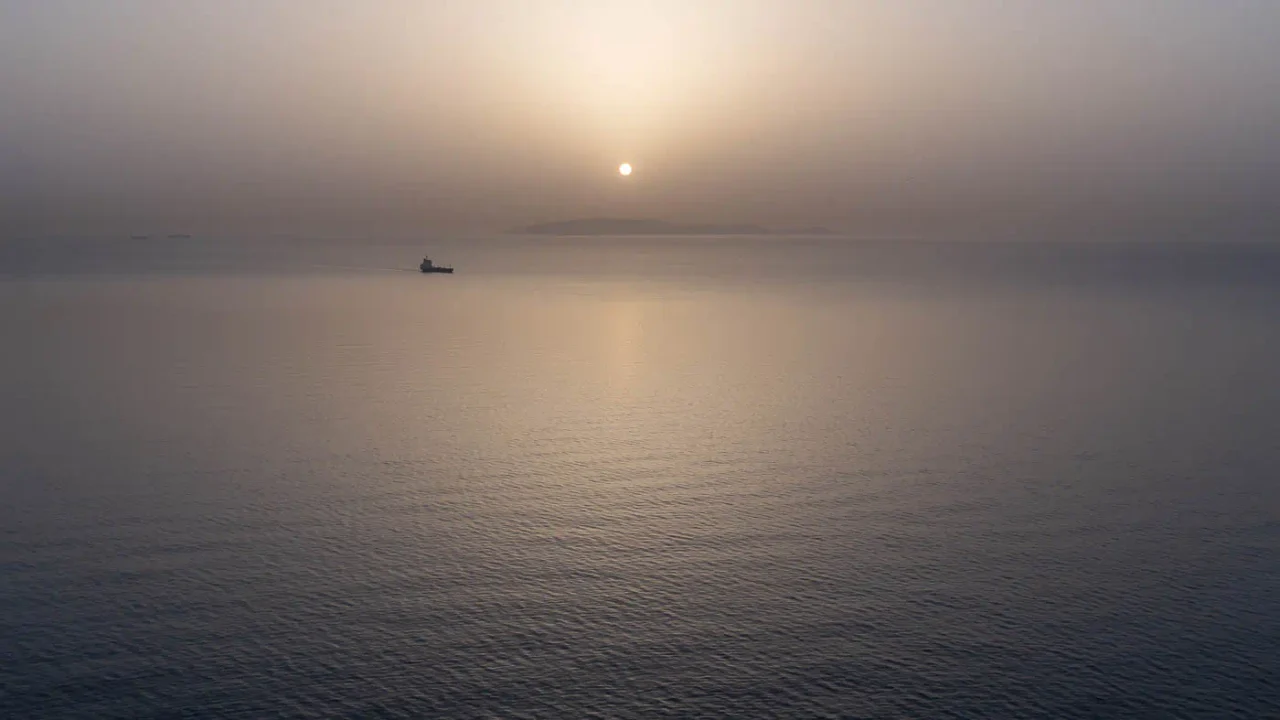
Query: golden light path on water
{"x": 601, "y": 476}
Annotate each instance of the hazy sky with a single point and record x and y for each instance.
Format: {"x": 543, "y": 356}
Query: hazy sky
{"x": 859, "y": 114}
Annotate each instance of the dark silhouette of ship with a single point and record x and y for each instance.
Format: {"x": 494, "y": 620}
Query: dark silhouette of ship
{"x": 429, "y": 267}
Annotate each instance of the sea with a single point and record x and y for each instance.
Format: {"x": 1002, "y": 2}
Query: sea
{"x": 640, "y": 477}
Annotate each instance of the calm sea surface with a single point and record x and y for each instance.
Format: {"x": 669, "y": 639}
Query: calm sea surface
{"x": 639, "y": 478}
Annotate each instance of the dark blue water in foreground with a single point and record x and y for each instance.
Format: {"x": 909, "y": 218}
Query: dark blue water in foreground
{"x": 639, "y": 478}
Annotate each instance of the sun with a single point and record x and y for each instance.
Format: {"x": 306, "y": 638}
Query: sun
{"x": 624, "y": 169}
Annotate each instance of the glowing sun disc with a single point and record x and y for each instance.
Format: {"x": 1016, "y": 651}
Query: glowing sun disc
{"x": 624, "y": 169}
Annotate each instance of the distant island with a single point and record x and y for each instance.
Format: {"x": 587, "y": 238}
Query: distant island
{"x": 626, "y": 226}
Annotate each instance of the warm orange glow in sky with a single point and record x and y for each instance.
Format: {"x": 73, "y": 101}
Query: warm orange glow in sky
{"x": 492, "y": 112}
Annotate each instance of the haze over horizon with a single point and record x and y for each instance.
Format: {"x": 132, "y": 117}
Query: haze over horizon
{"x": 640, "y": 359}
{"x": 946, "y": 117}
